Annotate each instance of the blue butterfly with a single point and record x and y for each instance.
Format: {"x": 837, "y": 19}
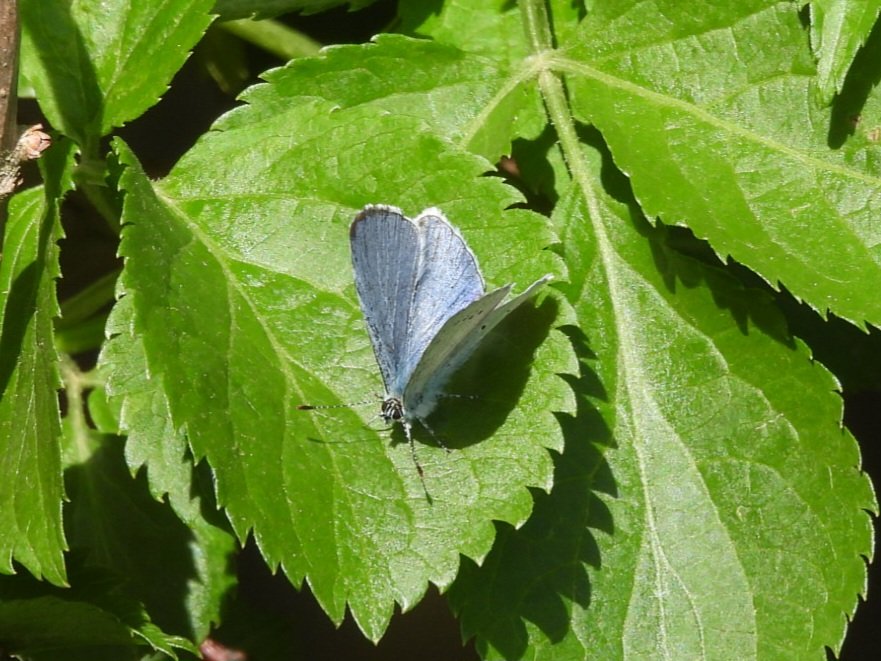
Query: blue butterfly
{"x": 424, "y": 303}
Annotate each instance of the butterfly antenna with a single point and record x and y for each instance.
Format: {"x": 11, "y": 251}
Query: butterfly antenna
{"x": 315, "y": 407}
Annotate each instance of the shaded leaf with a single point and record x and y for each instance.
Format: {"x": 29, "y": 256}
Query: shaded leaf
{"x": 92, "y": 620}
{"x": 30, "y": 475}
{"x": 97, "y": 64}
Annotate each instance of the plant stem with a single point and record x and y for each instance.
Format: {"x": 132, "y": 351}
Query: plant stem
{"x": 76, "y": 383}
{"x": 90, "y": 300}
{"x": 537, "y": 24}
{"x": 538, "y": 31}
{"x": 273, "y": 37}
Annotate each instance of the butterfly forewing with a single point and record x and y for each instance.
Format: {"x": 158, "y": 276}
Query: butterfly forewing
{"x": 385, "y": 257}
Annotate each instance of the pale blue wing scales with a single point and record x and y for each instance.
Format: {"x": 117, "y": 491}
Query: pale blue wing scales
{"x": 455, "y": 343}
{"x": 385, "y": 257}
{"x": 449, "y": 279}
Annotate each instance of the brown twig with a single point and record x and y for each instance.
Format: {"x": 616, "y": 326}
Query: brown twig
{"x": 16, "y": 145}
{"x": 9, "y": 42}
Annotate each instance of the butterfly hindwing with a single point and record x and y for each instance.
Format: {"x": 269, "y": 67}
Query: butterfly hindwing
{"x": 454, "y": 343}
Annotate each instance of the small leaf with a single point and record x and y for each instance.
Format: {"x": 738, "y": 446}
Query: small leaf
{"x": 838, "y": 29}
{"x": 494, "y": 100}
{"x": 30, "y": 476}
{"x": 97, "y": 64}
{"x": 492, "y": 28}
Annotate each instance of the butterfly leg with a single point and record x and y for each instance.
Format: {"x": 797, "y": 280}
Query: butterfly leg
{"x": 408, "y": 432}
{"x": 431, "y": 432}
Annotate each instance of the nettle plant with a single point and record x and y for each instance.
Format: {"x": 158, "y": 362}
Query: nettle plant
{"x": 650, "y": 462}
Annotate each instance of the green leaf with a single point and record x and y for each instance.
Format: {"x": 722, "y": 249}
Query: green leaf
{"x": 707, "y": 109}
{"x": 97, "y": 64}
{"x": 707, "y": 487}
{"x": 708, "y": 503}
{"x": 30, "y": 475}
{"x": 93, "y": 620}
{"x": 228, "y": 9}
{"x": 838, "y": 29}
{"x": 493, "y": 102}
{"x": 238, "y": 265}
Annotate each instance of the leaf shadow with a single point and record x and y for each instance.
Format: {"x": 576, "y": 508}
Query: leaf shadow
{"x": 121, "y": 531}
{"x": 683, "y": 260}
{"x": 535, "y": 572}
{"x": 484, "y": 391}
{"x": 862, "y": 77}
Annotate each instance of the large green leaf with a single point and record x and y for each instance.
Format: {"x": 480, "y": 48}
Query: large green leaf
{"x": 97, "y": 64}
{"x": 234, "y": 265}
{"x": 708, "y": 503}
{"x": 707, "y": 487}
{"x": 708, "y": 108}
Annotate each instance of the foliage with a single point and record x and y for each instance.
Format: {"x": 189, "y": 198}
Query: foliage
{"x": 650, "y": 463}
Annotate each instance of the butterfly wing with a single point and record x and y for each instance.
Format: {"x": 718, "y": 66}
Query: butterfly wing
{"x": 386, "y": 255}
{"x": 452, "y": 345}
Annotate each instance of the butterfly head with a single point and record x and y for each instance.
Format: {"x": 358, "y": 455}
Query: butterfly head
{"x": 392, "y": 409}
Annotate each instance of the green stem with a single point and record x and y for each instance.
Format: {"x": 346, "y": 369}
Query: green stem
{"x": 75, "y": 384}
{"x": 90, "y": 300}
{"x": 90, "y": 176}
{"x": 85, "y": 336}
{"x": 273, "y": 37}
{"x": 537, "y": 24}
{"x": 538, "y": 32}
